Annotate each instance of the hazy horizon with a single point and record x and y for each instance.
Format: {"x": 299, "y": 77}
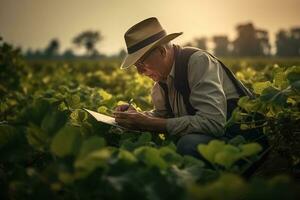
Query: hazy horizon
{"x": 33, "y": 23}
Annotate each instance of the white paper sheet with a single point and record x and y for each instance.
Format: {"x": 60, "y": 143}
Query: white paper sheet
{"x": 102, "y": 118}
{"x": 107, "y": 119}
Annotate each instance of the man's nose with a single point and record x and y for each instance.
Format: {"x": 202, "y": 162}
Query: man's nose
{"x": 144, "y": 70}
{"x": 147, "y": 72}
{"x": 140, "y": 70}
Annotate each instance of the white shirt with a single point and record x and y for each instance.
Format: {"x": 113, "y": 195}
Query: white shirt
{"x": 210, "y": 88}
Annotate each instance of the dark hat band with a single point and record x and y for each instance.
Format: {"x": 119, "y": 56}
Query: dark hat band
{"x": 146, "y": 42}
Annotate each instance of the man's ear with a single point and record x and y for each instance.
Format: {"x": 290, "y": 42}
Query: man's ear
{"x": 162, "y": 50}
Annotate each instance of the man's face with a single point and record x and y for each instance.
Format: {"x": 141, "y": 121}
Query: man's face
{"x": 152, "y": 65}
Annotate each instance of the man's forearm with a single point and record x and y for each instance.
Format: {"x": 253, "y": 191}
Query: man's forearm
{"x": 156, "y": 124}
{"x": 196, "y": 124}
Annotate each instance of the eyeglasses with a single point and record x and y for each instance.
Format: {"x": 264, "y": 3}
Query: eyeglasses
{"x": 141, "y": 62}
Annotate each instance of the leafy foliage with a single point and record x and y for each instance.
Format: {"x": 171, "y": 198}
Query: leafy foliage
{"x": 50, "y": 148}
{"x": 277, "y": 103}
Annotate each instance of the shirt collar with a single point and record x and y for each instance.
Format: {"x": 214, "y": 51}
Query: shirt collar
{"x": 172, "y": 72}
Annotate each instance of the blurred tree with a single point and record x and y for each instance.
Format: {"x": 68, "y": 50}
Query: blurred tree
{"x": 221, "y": 45}
{"x": 251, "y": 42}
{"x": 11, "y": 68}
{"x": 37, "y": 54}
{"x": 88, "y": 40}
{"x": 188, "y": 44}
{"x": 29, "y": 53}
{"x": 197, "y": 42}
{"x": 52, "y": 48}
{"x": 288, "y": 42}
{"x": 122, "y": 53}
{"x": 263, "y": 39}
{"x": 295, "y": 35}
{"x": 201, "y": 43}
{"x": 282, "y": 43}
{"x": 245, "y": 44}
{"x": 68, "y": 54}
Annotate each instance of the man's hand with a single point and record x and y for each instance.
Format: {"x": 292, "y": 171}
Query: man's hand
{"x": 125, "y": 107}
{"x": 132, "y": 119}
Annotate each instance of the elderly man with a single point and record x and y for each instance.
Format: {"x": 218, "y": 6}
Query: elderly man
{"x": 193, "y": 95}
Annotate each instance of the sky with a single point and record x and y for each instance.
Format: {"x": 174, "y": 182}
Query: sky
{"x": 33, "y": 23}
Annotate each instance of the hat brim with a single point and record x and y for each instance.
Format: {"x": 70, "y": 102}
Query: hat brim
{"x": 130, "y": 59}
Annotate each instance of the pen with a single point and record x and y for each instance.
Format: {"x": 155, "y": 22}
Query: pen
{"x": 129, "y": 104}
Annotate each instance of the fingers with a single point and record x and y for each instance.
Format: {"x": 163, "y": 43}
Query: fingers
{"x": 124, "y": 115}
{"x": 131, "y": 119}
{"x": 121, "y": 107}
{"x": 124, "y": 107}
{"x": 126, "y": 119}
{"x": 125, "y": 123}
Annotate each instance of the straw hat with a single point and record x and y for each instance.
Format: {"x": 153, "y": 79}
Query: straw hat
{"x": 143, "y": 37}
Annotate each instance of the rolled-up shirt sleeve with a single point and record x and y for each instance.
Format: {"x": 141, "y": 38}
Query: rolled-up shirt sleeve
{"x": 205, "y": 76}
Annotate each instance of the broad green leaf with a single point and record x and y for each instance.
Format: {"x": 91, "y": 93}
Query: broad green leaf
{"x": 37, "y": 137}
{"x": 66, "y": 177}
{"x": 227, "y": 186}
{"x": 244, "y": 127}
{"x": 259, "y": 87}
{"x": 66, "y": 141}
{"x": 273, "y": 110}
{"x": 291, "y": 101}
{"x": 126, "y": 156}
{"x": 296, "y": 85}
{"x": 144, "y": 138}
{"x": 170, "y": 156}
{"x": 185, "y": 174}
{"x": 104, "y": 95}
{"x": 86, "y": 129}
{"x": 274, "y": 95}
{"x": 293, "y": 74}
{"x": 78, "y": 117}
{"x": 250, "y": 149}
{"x": 87, "y": 164}
{"x": 171, "y": 145}
{"x": 53, "y": 121}
{"x": 62, "y": 106}
{"x": 119, "y": 103}
{"x": 102, "y": 109}
{"x": 228, "y": 156}
{"x": 128, "y": 144}
{"x": 7, "y": 133}
{"x": 3, "y": 107}
{"x": 36, "y": 112}
{"x": 91, "y": 144}
{"x": 211, "y": 149}
{"x": 237, "y": 140}
{"x": 236, "y": 116}
{"x": 249, "y": 105}
{"x": 279, "y": 179}
{"x": 192, "y": 161}
{"x": 73, "y": 101}
{"x": 150, "y": 156}
{"x": 280, "y": 79}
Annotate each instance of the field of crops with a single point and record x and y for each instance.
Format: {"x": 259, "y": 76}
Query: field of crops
{"x": 51, "y": 149}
